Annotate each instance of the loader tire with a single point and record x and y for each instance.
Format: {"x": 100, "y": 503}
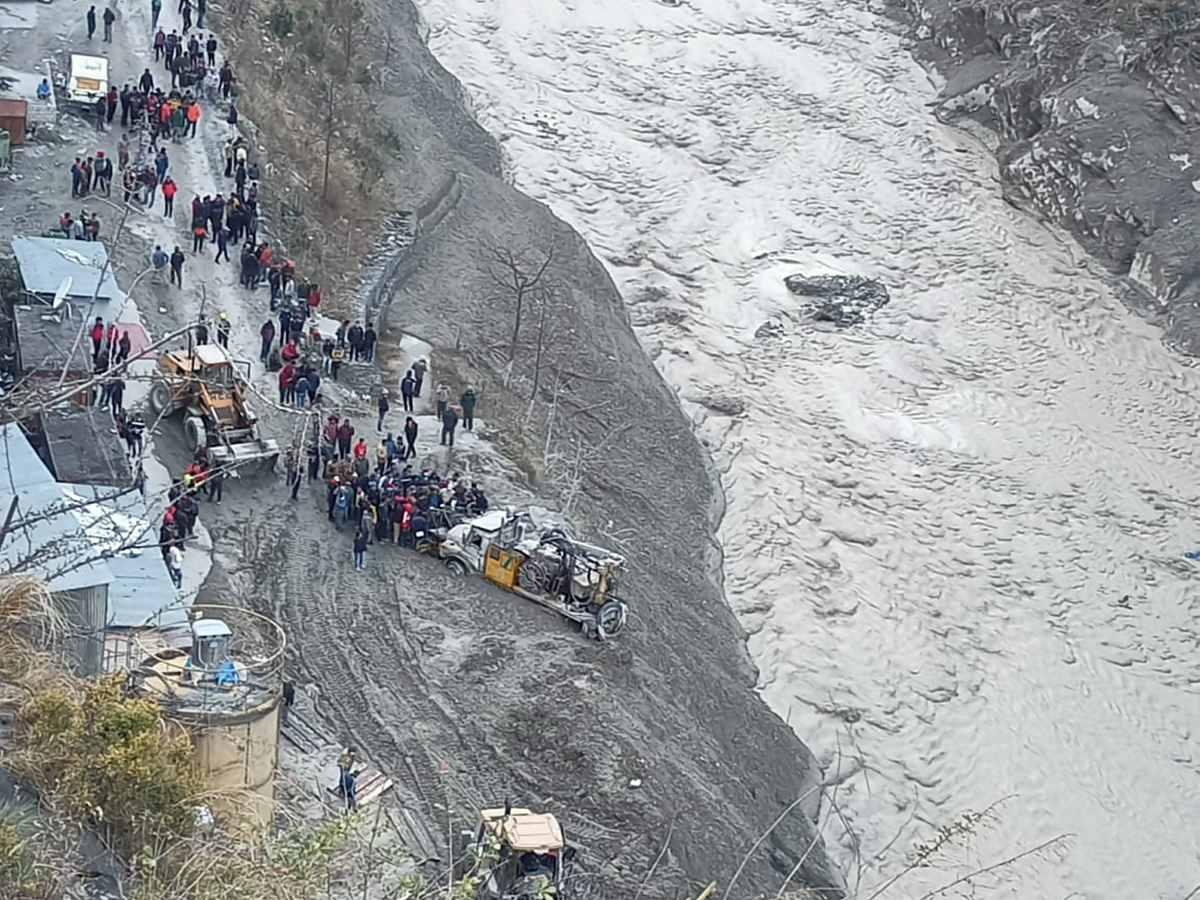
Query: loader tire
{"x": 160, "y": 397}
{"x": 193, "y": 429}
{"x": 610, "y": 619}
{"x": 456, "y": 566}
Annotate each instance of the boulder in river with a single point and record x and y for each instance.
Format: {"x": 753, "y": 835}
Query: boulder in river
{"x": 842, "y": 299}
{"x": 770, "y": 329}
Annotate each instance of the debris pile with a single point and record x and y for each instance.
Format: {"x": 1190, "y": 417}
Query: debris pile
{"x": 844, "y": 300}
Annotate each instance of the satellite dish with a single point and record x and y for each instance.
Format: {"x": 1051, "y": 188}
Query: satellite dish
{"x": 61, "y": 294}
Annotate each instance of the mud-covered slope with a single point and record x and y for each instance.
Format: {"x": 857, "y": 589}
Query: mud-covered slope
{"x": 1097, "y": 106}
{"x": 461, "y": 692}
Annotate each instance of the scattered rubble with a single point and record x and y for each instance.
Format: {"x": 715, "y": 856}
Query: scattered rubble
{"x": 844, "y": 300}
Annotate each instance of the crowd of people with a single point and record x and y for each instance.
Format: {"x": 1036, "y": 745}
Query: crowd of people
{"x": 92, "y": 175}
{"x": 178, "y": 523}
{"x": 376, "y": 492}
{"x": 379, "y": 493}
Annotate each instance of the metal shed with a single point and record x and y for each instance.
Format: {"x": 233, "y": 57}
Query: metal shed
{"x": 82, "y": 448}
{"x": 45, "y": 263}
{"x": 45, "y": 340}
{"x": 14, "y": 114}
{"x": 96, "y": 548}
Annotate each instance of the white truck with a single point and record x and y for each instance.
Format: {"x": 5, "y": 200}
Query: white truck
{"x": 86, "y": 81}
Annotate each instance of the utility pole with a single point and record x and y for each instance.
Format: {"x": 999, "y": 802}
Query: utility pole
{"x": 83, "y": 325}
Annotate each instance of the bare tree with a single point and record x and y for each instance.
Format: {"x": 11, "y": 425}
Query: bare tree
{"x": 519, "y": 277}
{"x": 544, "y": 295}
{"x": 330, "y": 126}
{"x": 334, "y": 47}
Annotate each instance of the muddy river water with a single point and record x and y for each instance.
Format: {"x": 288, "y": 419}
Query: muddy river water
{"x": 956, "y": 534}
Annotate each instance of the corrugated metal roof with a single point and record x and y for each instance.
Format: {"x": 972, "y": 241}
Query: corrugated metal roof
{"x": 84, "y": 447}
{"x": 21, "y": 466}
{"x": 46, "y": 341}
{"x": 46, "y": 262}
{"x": 87, "y": 537}
{"x": 52, "y": 547}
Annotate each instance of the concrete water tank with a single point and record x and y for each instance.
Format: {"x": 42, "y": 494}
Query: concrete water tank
{"x": 226, "y": 691}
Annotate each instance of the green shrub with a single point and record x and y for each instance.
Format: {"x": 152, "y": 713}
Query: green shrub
{"x": 107, "y": 758}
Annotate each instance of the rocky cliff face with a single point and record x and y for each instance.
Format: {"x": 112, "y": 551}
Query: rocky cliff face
{"x": 1096, "y": 105}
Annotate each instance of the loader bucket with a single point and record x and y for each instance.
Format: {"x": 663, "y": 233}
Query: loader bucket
{"x": 247, "y": 457}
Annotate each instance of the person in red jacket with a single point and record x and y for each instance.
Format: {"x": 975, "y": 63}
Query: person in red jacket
{"x": 285, "y": 381}
{"x": 111, "y": 337}
{"x": 264, "y": 254}
{"x": 169, "y": 189}
{"x": 360, "y": 449}
{"x": 97, "y": 338}
{"x": 290, "y": 353}
{"x": 344, "y": 434}
{"x": 406, "y": 523}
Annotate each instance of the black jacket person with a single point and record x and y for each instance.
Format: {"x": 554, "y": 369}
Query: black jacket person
{"x": 410, "y": 437}
{"x": 408, "y": 387}
{"x": 449, "y": 423}
{"x": 177, "y": 266}
{"x": 384, "y": 406}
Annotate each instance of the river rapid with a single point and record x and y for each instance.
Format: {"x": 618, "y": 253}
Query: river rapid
{"x": 955, "y": 533}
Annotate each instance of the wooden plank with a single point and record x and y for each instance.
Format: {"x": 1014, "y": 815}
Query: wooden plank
{"x": 374, "y": 793}
{"x": 303, "y": 734}
{"x": 297, "y": 739}
{"x": 369, "y": 785}
{"x": 415, "y": 836}
{"x": 301, "y": 722}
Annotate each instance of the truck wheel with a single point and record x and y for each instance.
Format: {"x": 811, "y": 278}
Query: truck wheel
{"x": 535, "y": 574}
{"x": 193, "y": 428}
{"x": 456, "y": 566}
{"x": 610, "y": 619}
{"x": 160, "y": 397}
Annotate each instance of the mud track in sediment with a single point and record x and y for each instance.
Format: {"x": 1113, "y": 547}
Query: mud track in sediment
{"x": 464, "y": 695}
{"x": 467, "y": 696}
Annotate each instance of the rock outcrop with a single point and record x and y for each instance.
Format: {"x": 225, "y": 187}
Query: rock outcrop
{"x": 843, "y": 300}
{"x": 1096, "y": 106}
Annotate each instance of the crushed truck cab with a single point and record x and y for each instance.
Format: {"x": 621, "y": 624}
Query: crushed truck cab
{"x": 577, "y": 580}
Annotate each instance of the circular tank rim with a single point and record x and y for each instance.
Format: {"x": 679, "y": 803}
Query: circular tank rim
{"x": 219, "y": 719}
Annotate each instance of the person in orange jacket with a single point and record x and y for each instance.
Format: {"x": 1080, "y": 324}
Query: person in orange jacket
{"x": 193, "y": 116}
{"x": 199, "y": 233}
{"x": 169, "y": 189}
